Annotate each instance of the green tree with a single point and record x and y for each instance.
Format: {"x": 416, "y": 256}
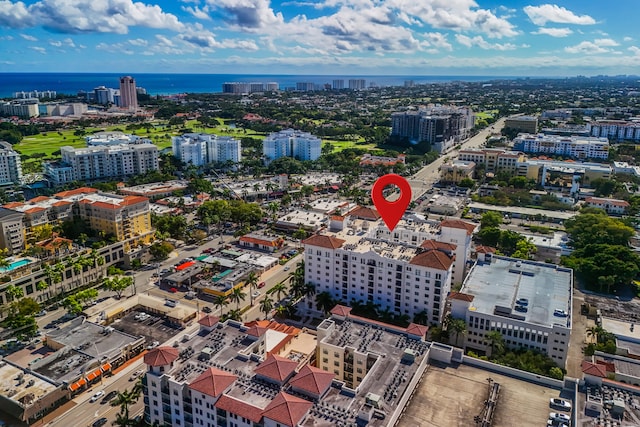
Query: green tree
{"x": 594, "y": 226}
{"x": 421, "y": 318}
{"x": 221, "y": 301}
{"x": 266, "y": 305}
{"x": 252, "y": 282}
{"x": 13, "y": 292}
{"x": 237, "y": 295}
{"x": 234, "y": 314}
{"x": 496, "y": 342}
{"x": 278, "y": 290}
{"x": 325, "y": 302}
{"x": 117, "y": 284}
{"x": 161, "y": 250}
{"x": 124, "y": 400}
{"x": 491, "y": 219}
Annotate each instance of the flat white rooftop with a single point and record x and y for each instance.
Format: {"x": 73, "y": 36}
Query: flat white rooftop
{"x": 501, "y": 282}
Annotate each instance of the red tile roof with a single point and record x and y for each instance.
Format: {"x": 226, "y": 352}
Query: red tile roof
{"x": 276, "y": 368}
{"x": 418, "y": 330}
{"x": 612, "y": 202}
{"x": 313, "y": 380}
{"x": 38, "y": 199}
{"x": 34, "y": 210}
{"x": 209, "y": 320}
{"x": 365, "y": 213}
{"x": 12, "y": 205}
{"x": 132, "y": 200}
{"x": 259, "y": 327}
{"x": 286, "y": 409}
{"x": 433, "y": 259}
{"x": 275, "y": 242}
{"x": 213, "y": 382}
{"x": 341, "y": 310}
{"x": 62, "y": 203}
{"x": 457, "y": 223}
{"x": 81, "y": 190}
{"x": 594, "y": 369}
{"x": 461, "y": 297}
{"x": 485, "y": 250}
{"x": 323, "y": 241}
{"x": 160, "y": 356}
{"x": 238, "y": 407}
{"x": 434, "y": 244}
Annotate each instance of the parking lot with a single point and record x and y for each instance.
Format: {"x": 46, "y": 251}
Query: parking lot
{"x": 153, "y": 328}
{"x": 453, "y": 396}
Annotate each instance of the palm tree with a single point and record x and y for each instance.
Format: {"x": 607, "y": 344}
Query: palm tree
{"x": 236, "y": 296}
{"x": 278, "y": 289}
{"x": 76, "y": 266}
{"x": 41, "y": 286}
{"x": 221, "y": 301}
{"x": 266, "y": 305}
{"x": 496, "y": 342}
{"x": 252, "y": 281}
{"x": 125, "y": 399}
{"x": 457, "y": 326}
{"x": 421, "y": 318}
{"x": 234, "y": 315}
{"x": 96, "y": 260}
{"x": 325, "y": 302}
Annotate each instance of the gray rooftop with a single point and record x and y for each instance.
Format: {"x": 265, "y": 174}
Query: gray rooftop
{"x": 503, "y": 281}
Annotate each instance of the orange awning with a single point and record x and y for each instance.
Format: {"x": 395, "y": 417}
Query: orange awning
{"x": 95, "y": 374}
{"x": 77, "y": 384}
{"x": 106, "y": 367}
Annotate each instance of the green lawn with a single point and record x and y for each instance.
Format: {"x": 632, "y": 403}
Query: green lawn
{"x": 50, "y": 142}
{"x": 486, "y": 114}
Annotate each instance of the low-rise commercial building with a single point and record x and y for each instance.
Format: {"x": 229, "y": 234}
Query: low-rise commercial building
{"x": 23, "y": 108}
{"x": 457, "y": 170}
{"x": 528, "y": 124}
{"x": 528, "y": 302}
{"x": 563, "y": 174}
{"x": 492, "y": 159}
{"x": 610, "y": 206}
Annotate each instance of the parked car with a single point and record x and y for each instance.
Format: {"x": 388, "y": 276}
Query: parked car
{"x": 99, "y": 422}
{"x": 523, "y": 301}
{"x": 256, "y": 294}
{"x": 560, "y": 313}
{"x": 557, "y": 416}
{"x": 261, "y": 285}
{"x": 206, "y": 309}
{"x": 520, "y": 308}
{"x": 173, "y": 290}
{"x": 41, "y": 313}
{"x": 97, "y": 396}
{"x": 560, "y": 403}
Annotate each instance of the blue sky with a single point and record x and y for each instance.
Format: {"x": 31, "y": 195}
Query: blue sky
{"x": 405, "y": 37}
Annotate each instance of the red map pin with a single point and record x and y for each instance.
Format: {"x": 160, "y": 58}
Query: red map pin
{"x": 391, "y": 212}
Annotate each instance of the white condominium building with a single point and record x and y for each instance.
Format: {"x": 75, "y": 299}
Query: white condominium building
{"x": 528, "y": 302}
{"x": 291, "y": 143}
{"x": 10, "y": 165}
{"x": 102, "y": 162}
{"x": 114, "y": 138}
{"x": 405, "y": 271}
{"x": 616, "y": 129}
{"x": 200, "y": 149}
{"x": 573, "y": 146}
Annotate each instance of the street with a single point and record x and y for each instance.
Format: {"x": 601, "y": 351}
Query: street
{"x": 424, "y": 179}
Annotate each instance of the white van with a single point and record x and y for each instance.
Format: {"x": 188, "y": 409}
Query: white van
{"x": 170, "y": 302}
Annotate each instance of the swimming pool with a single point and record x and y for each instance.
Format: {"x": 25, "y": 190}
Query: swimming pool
{"x": 15, "y": 264}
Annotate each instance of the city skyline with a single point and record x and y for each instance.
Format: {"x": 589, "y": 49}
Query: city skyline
{"x": 460, "y": 37}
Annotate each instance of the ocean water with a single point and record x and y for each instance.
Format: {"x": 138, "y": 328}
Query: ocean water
{"x": 167, "y": 84}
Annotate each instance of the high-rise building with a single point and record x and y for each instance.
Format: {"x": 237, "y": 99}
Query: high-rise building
{"x": 128, "y": 93}
{"x": 10, "y": 166}
{"x": 441, "y": 126}
{"x": 305, "y": 86}
{"x": 24, "y": 108}
{"x": 357, "y": 84}
{"x": 199, "y": 149}
{"x": 291, "y": 143}
{"x": 12, "y": 233}
{"x": 103, "y": 95}
{"x": 338, "y": 84}
{"x": 102, "y": 162}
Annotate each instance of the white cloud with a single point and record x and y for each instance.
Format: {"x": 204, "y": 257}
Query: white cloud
{"x": 554, "y": 32}
{"x": 164, "y": 40}
{"x": 138, "y": 42}
{"x": 85, "y": 16}
{"x": 540, "y": 15}
{"x": 248, "y": 15}
{"x": 28, "y": 37}
{"x": 38, "y": 49}
{"x": 591, "y": 48}
{"x": 483, "y": 44}
{"x": 55, "y": 43}
{"x": 628, "y": 39}
{"x": 197, "y": 12}
{"x": 456, "y": 15}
